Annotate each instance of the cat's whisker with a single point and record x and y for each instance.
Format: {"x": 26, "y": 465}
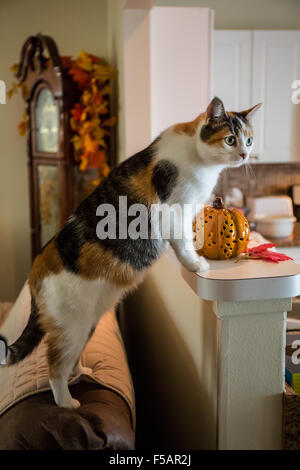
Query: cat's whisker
{"x": 250, "y": 173}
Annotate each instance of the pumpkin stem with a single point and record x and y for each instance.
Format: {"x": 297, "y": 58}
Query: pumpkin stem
{"x": 218, "y": 203}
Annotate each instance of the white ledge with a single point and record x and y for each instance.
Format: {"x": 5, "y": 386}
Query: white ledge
{"x": 245, "y": 280}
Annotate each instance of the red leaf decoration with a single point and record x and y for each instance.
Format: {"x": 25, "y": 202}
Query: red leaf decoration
{"x": 262, "y": 252}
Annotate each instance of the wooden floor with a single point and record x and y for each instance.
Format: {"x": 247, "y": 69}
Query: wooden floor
{"x": 291, "y": 420}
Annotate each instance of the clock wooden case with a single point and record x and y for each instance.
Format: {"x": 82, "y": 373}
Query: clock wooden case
{"x": 49, "y": 94}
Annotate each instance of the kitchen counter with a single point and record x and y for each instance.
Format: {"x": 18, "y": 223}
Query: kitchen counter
{"x": 228, "y": 280}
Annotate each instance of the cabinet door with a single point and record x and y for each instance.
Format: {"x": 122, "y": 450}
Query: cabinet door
{"x": 232, "y": 68}
{"x": 276, "y": 64}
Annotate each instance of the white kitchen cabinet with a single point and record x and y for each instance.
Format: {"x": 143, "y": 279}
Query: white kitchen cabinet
{"x": 260, "y": 66}
{"x": 232, "y": 68}
{"x": 276, "y": 64}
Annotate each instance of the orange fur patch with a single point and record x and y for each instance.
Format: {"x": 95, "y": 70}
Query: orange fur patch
{"x": 189, "y": 128}
{"x": 94, "y": 262}
{"x": 46, "y": 263}
{"x": 141, "y": 184}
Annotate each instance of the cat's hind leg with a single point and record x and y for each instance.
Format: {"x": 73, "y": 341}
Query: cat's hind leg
{"x": 73, "y": 308}
{"x": 64, "y": 350}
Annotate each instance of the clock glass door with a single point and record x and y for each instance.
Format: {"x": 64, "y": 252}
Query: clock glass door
{"x": 47, "y": 122}
{"x": 48, "y": 202}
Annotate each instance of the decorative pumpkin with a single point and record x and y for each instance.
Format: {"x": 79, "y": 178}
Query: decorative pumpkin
{"x": 226, "y": 231}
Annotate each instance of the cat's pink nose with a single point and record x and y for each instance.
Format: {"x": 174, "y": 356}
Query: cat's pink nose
{"x": 243, "y": 155}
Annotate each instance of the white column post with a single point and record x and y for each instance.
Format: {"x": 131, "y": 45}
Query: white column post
{"x": 251, "y": 373}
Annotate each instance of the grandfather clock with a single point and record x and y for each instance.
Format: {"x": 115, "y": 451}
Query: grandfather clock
{"x": 49, "y": 94}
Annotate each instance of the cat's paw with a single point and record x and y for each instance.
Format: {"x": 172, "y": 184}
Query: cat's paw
{"x": 203, "y": 265}
{"x": 199, "y": 266}
{"x": 72, "y": 404}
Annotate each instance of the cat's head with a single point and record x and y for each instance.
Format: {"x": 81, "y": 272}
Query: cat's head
{"x": 225, "y": 138}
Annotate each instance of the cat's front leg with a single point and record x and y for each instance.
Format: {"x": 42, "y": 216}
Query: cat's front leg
{"x": 182, "y": 238}
{"x": 189, "y": 258}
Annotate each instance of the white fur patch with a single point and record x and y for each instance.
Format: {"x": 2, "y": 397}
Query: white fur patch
{"x": 69, "y": 297}
{"x": 75, "y": 305}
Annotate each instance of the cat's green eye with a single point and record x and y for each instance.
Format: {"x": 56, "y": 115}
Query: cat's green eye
{"x": 230, "y": 140}
{"x": 249, "y": 141}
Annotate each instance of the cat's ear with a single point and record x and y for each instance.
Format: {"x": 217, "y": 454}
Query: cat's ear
{"x": 248, "y": 113}
{"x": 215, "y": 110}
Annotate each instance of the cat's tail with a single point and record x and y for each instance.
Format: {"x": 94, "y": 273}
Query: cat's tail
{"x": 25, "y": 344}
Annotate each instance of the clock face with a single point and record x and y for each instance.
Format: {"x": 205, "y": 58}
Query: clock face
{"x": 47, "y": 122}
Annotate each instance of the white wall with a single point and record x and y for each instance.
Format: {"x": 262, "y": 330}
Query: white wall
{"x": 137, "y": 86}
{"x": 75, "y": 25}
{"x": 181, "y": 42}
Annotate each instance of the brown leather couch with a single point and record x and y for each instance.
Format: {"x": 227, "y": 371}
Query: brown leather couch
{"x": 102, "y": 422}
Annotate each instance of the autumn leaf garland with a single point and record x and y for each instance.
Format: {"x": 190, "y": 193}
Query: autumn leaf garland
{"x": 90, "y": 120}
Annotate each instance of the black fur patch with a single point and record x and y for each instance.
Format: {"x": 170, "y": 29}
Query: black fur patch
{"x": 232, "y": 122}
{"x": 81, "y": 228}
{"x": 29, "y": 339}
{"x": 208, "y": 130}
{"x": 164, "y": 178}
{"x": 235, "y": 124}
{"x": 68, "y": 243}
{"x": 139, "y": 253}
{"x": 134, "y": 164}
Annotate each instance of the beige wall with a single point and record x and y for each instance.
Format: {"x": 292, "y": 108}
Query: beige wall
{"x": 75, "y": 25}
{"x": 171, "y": 340}
{"x": 248, "y": 14}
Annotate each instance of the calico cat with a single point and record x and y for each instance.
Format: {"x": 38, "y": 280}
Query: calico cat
{"x": 77, "y": 276}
